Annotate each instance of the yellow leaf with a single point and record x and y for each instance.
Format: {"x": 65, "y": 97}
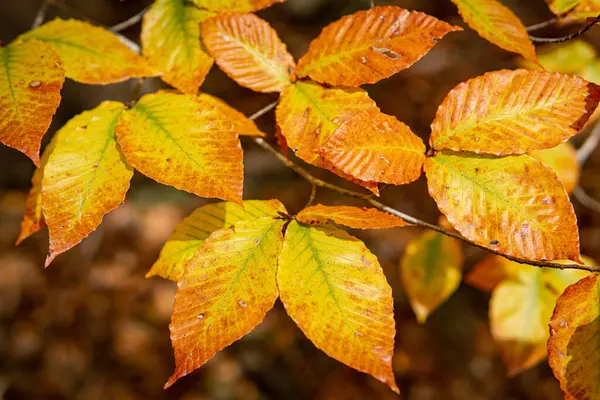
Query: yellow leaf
{"x": 371, "y": 45}
{"x": 376, "y": 147}
{"x": 567, "y": 58}
{"x": 431, "y": 270}
{"x": 235, "y": 5}
{"x": 31, "y": 77}
{"x": 85, "y": 177}
{"x": 91, "y": 54}
{"x": 497, "y": 24}
{"x": 562, "y": 159}
{"x": 248, "y": 50}
{"x": 579, "y": 9}
{"x": 171, "y": 42}
{"x": 514, "y": 205}
{"x": 513, "y": 112}
{"x": 334, "y": 289}
{"x": 189, "y": 236}
{"x": 175, "y": 140}
{"x": 225, "y": 292}
{"x": 353, "y": 217}
{"x": 573, "y": 343}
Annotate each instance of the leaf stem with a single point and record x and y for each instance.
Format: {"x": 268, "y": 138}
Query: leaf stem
{"x": 544, "y": 24}
{"x": 316, "y": 182}
{"x": 41, "y": 14}
{"x": 572, "y": 36}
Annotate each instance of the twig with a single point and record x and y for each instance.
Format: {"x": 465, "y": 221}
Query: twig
{"x": 544, "y": 24}
{"x": 313, "y": 194}
{"x": 590, "y": 144}
{"x": 585, "y": 199}
{"x": 372, "y": 3}
{"x": 382, "y": 207}
{"x": 41, "y": 14}
{"x": 563, "y": 39}
{"x": 128, "y": 23}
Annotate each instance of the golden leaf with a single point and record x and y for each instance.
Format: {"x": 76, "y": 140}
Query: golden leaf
{"x": 235, "y": 5}
{"x": 562, "y": 159}
{"x": 353, "y": 217}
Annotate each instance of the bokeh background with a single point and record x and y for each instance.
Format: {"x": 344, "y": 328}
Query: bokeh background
{"x": 91, "y": 326}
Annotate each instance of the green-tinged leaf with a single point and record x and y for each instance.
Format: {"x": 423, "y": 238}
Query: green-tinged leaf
{"x": 189, "y": 235}
{"x": 562, "y": 159}
{"x": 226, "y": 290}
{"x": 334, "y": 289}
{"x": 176, "y": 140}
{"x": 31, "y": 77}
{"x": 431, "y": 270}
{"x": 567, "y": 58}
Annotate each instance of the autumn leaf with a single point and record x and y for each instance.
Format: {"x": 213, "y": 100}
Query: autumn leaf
{"x": 376, "y": 147}
{"x": 176, "y": 140}
{"x": 85, "y": 177}
{"x": 31, "y": 77}
{"x": 226, "y": 290}
{"x": 580, "y": 9}
{"x": 248, "y": 50}
{"x": 491, "y": 272}
{"x": 513, "y": 205}
{"x": 189, "y": 236}
{"x": 497, "y": 24}
{"x": 371, "y": 45}
{"x": 353, "y": 217}
{"x": 90, "y": 54}
{"x": 171, "y": 42}
{"x": 431, "y": 271}
{"x": 227, "y": 118}
{"x": 567, "y": 58}
{"x": 334, "y": 289}
{"x": 513, "y": 112}
{"x": 562, "y": 159}
{"x": 235, "y": 5}
{"x": 573, "y": 345}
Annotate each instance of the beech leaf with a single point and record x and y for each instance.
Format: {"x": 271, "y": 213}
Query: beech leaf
{"x": 562, "y": 159}
{"x": 431, "y": 271}
{"x": 225, "y": 292}
{"x": 578, "y": 9}
{"x": 513, "y": 112}
{"x": 31, "y": 77}
{"x": 171, "y": 42}
{"x": 85, "y": 177}
{"x": 334, "y": 289}
{"x": 176, "y": 140}
{"x": 371, "y": 45}
{"x": 497, "y": 24}
{"x": 235, "y": 5}
{"x": 189, "y": 235}
{"x": 376, "y": 147}
{"x": 514, "y": 205}
{"x": 90, "y": 54}
{"x": 248, "y": 50}
{"x": 353, "y": 217}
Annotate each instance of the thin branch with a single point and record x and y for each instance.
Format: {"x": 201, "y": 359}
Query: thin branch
{"x": 313, "y": 194}
{"x": 590, "y": 144}
{"x": 572, "y": 36}
{"x": 372, "y": 3}
{"x": 585, "y": 199}
{"x": 382, "y": 207}
{"x": 128, "y": 23}
{"x": 544, "y": 24}
{"x": 263, "y": 111}
{"x": 41, "y": 14}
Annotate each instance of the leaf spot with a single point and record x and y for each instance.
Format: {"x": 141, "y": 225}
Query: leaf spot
{"x": 35, "y": 84}
{"x": 391, "y": 54}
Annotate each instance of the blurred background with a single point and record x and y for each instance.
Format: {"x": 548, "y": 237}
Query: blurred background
{"x": 91, "y": 326}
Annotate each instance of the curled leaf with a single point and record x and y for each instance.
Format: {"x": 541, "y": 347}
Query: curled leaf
{"x": 90, "y": 54}
{"x": 353, "y": 217}
{"x": 174, "y": 140}
{"x": 513, "y": 112}
{"x": 248, "y": 50}
{"x": 31, "y": 77}
{"x": 371, "y": 45}
{"x": 334, "y": 289}
{"x": 189, "y": 235}
{"x": 514, "y": 205}
{"x": 171, "y": 42}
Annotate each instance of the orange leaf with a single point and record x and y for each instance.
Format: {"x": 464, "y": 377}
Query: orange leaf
{"x": 235, "y": 5}
{"x": 31, "y": 77}
{"x": 376, "y": 147}
{"x": 85, "y": 177}
{"x": 226, "y": 290}
{"x": 562, "y": 159}
{"x": 191, "y": 234}
{"x": 371, "y": 45}
{"x": 171, "y": 42}
{"x": 90, "y": 54}
{"x": 573, "y": 344}
{"x": 227, "y": 118}
{"x": 431, "y": 271}
{"x": 353, "y": 217}
{"x": 491, "y": 272}
{"x": 334, "y": 289}
{"x": 513, "y": 112}
{"x": 248, "y": 50}
{"x": 177, "y": 140}
{"x": 514, "y": 205}
{"x": 497, "y": 24}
